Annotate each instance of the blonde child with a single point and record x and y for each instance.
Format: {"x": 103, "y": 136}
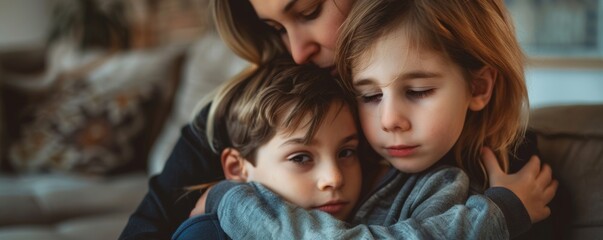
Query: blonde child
{"x": 289, "y": 129}
{"x": 437, "y": 82}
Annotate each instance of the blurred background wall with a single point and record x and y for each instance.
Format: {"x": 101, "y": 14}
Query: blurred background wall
{"x": 24, "y": 22}
{"x": 564, "y": 39}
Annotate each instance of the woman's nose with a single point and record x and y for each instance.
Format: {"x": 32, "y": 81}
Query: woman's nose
{"x": 330, "y": 177}
{"x": 301, "y": 46}
{"x": 393, "y": 117}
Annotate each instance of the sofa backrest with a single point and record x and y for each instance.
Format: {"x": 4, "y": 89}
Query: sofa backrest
{"x": 570, "y": 139}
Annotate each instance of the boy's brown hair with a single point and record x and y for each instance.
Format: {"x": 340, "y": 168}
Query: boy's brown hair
{"x": 279, "y": 95}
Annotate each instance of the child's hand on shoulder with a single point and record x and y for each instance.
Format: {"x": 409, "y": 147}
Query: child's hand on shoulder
{"x": 533, "y": 184}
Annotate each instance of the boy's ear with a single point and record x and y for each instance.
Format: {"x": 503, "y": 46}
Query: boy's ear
{"x": 233, "y": 165}
{"x": 482, "y": 86}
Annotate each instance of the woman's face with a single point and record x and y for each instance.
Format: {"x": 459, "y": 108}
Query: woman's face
{"x": 309, "y": 28}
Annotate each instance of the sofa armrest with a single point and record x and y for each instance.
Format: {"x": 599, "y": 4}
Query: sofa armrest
{"x": 51, "y": 198}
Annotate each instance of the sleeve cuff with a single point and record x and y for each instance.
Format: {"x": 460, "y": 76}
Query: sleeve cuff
{"x": 516, "y": 216}
{"x": 216, "y": 193}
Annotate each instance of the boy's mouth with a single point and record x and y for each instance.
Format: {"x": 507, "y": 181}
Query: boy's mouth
{"x": 332, "y": 207}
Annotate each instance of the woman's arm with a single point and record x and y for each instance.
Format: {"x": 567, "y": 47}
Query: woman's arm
{"x": 166, "y": 205}
{"x": 436, "y": 210}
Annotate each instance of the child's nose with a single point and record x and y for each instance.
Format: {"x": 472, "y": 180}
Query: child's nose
{"x": 393, "y": 117}
{"x": 330, "y": 178}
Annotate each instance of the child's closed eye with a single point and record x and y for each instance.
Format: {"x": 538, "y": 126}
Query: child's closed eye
{"x": 371, "y": 98}
{"x": 418, "y": 94}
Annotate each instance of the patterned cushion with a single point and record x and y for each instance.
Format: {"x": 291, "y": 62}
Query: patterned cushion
{"x": 94, "y": 122}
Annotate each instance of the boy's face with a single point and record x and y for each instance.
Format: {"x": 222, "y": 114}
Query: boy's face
{"x": 413, "y": 101}
{"x": 323, "y": 175}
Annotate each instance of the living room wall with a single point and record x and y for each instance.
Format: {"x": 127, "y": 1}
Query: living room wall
{"x": 25, "y": 23}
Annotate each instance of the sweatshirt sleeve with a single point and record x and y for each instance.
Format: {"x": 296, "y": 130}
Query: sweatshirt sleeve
{"x": 439, "y": 209}
{"x": 516, "y": 216}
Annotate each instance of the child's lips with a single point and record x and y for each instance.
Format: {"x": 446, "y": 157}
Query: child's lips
{"x": 332, "y": 207}
{"x": 401, "y": 151}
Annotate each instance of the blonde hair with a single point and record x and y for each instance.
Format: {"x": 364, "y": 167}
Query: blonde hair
{"x": 279, "y": 95}
{"x": 241, "y": 29}
{"x": 471, "y": 33}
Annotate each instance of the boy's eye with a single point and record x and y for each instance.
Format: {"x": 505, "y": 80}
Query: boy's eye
{"x": 371, "y": 98}
{"x": 300, "y": 159}
{"x": 419, "y": 94}
{"x": 311, "y": 13}
{"x": 346, "y": 153}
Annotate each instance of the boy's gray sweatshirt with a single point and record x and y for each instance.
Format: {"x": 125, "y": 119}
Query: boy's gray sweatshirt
{"x": 429, "y": 205}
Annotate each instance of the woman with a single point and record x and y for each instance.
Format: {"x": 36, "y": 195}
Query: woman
{"x": 256, "y": 30}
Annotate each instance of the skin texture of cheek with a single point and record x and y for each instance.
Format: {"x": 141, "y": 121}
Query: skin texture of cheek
{"x": 368, "y": 124}
{"x": 446, "y": 130}
{"x": 291, "y": 188}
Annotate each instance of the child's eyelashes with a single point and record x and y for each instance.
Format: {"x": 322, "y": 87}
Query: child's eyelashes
{"x": 347, "y": 153}
{"x": 300, "y": 159}
{"x": 411, "y": 94}
{"x": 418, "y": 94}
{"x": 371, "y": 98}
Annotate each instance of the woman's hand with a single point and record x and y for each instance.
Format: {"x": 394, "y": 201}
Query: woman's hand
{"x": 533, "y": 184}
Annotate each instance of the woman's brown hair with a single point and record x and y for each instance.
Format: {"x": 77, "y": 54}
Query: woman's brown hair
{"x": 241, "y": 29}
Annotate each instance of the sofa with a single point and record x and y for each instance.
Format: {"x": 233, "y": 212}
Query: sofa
{"x": 570, "y": 139}
{"x": 80, "y": 205}
{"x": 67, "y": 202}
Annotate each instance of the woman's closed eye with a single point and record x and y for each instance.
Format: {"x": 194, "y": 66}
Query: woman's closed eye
{"x": 311, "y": 13}
{"x": 277, "y": 28}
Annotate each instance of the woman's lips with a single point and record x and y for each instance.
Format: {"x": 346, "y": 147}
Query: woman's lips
{"x": 401, "y": 151}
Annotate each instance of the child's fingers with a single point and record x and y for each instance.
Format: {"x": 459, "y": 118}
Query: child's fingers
{"x": 490, "y": 162}
{"x": 545, "y": 176}
{"x": 532, "y": 167}
{"x": 546, "y": 212}
{"x": 550, "y": 190}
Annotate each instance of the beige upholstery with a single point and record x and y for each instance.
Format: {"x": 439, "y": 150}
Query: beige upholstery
{"x": 67, "y": 206}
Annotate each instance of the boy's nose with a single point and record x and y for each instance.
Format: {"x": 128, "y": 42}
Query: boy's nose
{"x": 330, "y": 178}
